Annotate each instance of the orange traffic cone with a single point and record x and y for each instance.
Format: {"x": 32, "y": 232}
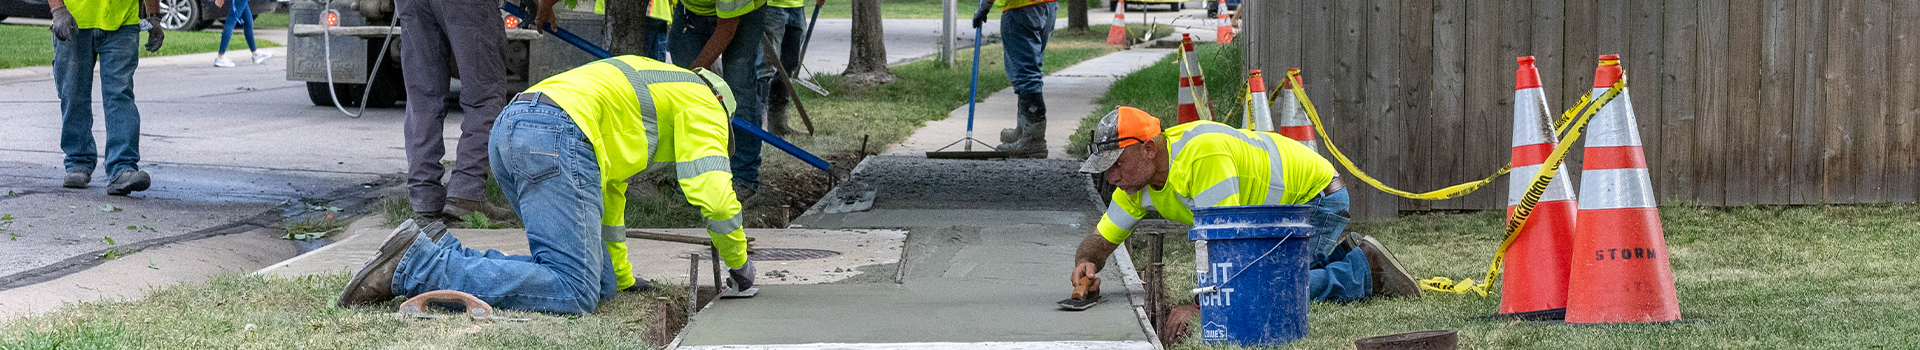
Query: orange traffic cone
{"x": 1536, "y": 264}
{"x": 1223, "y": 33}
{"x": 1293, "y": 116}
{"x": 1259, "y": 115}
{"x": 1193, "y": 87}
{"x": 1620, "y": 271}
{"x": 1117, "y": 32}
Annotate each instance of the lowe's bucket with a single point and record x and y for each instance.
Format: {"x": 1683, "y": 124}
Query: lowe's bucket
{"x": 1253, "y": 289}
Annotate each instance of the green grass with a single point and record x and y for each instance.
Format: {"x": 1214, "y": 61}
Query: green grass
{"x": 237, "y": 311}
{"x": 1155, "y": 89}
{"x": 1750, "y": 277}
{"x": 270, "y": 20}
{"x": 914, "y": 9}
{"x": 31, "y": 45}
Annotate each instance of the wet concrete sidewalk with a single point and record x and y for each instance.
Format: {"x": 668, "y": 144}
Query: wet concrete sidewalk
{"x": 988, "y": 249}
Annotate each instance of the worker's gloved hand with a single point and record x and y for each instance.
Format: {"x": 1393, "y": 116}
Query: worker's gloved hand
{"x": 980, "y": 14}
{"x": 543, "y": 19}
{"x": 742, "y": 277}
{"x": 155, "y": 36}
{"x": 63, "y": 25}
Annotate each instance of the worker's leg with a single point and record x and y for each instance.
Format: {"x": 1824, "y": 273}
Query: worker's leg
{"x": 548, "y": 171}
{"x": 774, "y": 96}
{"x": 475, "y": 41}
{"x": 1025, "y": 32}
{"x": 739, "y": 66}
{"x": 796, "y": 35}
{"x": 1337, "y": 274}
{"x": 73, "y": 61}
{"x": 119, "y": 56}
{"x": 787, "y": 33}
{"x": 423, "y": 63}
{"x": 688, "y": 35}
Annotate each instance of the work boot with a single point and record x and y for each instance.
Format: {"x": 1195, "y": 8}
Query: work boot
{"x": 77, "y": 179}
{"x": 493, "y": 212}
{"x": 373, "y": 284}
{"x": 128, "y": 181}
{"x": 777, "y": 117}
{"x": 1389, "y": 279}
{"x": 1022, "y": 105}
{"x": 1032, "y": 130}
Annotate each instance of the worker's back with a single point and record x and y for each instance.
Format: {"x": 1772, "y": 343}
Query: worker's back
{"x": 1217, "y": 165}
{"x": 600, "y": 98}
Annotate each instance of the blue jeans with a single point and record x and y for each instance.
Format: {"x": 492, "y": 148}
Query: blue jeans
{"x": 118, "y": 53}
{"x": 1337, "y": 273}
{"x": 239, "y": 12}
{"x": 739, "y": 65}
{"x": 549, "y": 174}
{"x": 788, "y": 29}
{"x": 1024, "y": 33}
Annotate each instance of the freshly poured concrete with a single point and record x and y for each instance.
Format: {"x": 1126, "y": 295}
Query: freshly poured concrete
{"x": 989, "y": 247}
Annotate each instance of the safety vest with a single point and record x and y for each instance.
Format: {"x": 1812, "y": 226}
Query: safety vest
{"x": 1004, "y": 5}
{"x": 722, "y": 8}
{"x": 636, "y": 111}
{"x": 1215, "y": 165}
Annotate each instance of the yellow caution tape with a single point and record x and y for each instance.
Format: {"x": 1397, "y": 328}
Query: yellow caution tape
{"x": 1450, "y": 192}
{"x": 1202, "y": 103}
{"x": 1538, "y": 187}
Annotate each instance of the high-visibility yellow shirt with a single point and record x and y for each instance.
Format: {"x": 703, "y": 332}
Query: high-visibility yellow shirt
{"x": 1004, "y": 5}
{"x": 722, "y": 8}
{"x": 1215, "y": 165}
{"x": 675, "y": 119}
{"x": 104, "y": 14}
{"x": 661, "y": 9}
{"x": 787, "y": 3}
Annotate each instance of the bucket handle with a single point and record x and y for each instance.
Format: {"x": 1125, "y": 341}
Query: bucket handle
{"x": 1216, "y": 286}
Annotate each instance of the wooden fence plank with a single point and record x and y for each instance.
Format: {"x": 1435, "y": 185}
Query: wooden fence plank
{"x": 1776, "y": 103}
{"x": 1869, "y": 101}
{"x": 1744, "y": 167}
{"x": 1382, "y": 80}
{"x": 1414, "y": 100}
{"x": 1449, "y": 95}
{"x": 1576, "y": 70}
{"x": 1903, "y": 104}
{"x": 1843, "y": 21}
{"x": 1643, "y": 62}
{"x": 1810, "y": 102}
{"x": 1677, "y": 104}
{"x": 1710, "y": 104}
{"x": 1612, "y": 26}
{"x": 1487, "y": 97}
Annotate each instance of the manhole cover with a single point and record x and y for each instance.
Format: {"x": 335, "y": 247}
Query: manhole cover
{"x": 790, "y": 254}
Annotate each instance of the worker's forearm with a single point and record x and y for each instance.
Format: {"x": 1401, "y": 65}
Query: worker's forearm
{"x": 1095, "y": 249}
{"x": 722, "y": 37}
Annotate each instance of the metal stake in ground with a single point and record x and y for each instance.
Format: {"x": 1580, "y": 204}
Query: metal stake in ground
{"x": 973, "y": 94}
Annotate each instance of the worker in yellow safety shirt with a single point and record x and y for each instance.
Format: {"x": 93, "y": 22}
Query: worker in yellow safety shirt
{"x": 562, "y": 152}
{"x": 1205, "y": 164}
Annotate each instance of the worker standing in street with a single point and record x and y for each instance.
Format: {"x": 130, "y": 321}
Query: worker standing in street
{"x": 728, "y": 31}
{"x": 787, "y": 27}
{"x": 562, "y": 153}
{"x": 1025, "y": 28}
{"x": 104, "y": 32}
{"x": 471, "y": 34}
{"x": 1206, "y": 164}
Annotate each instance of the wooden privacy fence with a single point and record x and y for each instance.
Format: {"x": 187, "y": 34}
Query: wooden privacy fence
{"x": 1738, "y": 102}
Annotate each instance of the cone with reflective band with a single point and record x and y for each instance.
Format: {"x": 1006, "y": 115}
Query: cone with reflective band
{"x": 1193, "y": 87}
{"x": 1117, "y": 32}
{"x": 1619, "y": 270}
{"x": 1535, "y": 275}
{"x": 1259, "y": 116}
{"x": 1293, "y": 116}
{"x": 1223, "y": 33}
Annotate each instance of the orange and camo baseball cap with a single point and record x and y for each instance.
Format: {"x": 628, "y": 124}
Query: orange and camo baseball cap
{"x": 1125, "y": 126}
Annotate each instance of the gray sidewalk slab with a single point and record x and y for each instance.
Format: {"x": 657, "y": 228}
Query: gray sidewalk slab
{"x": 1069, "y": 93}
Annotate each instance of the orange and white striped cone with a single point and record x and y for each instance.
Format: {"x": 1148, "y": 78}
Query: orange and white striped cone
{"x": 1293, "y": 116}
{"x": 1224, "y": 32}
{"x": 1536, "y": 263}
{"x": 1259, "y": 116}
{"x": 1117, "y": 32}
{"x": 1620, "y": 271}
{"x": 1193, "y": 87}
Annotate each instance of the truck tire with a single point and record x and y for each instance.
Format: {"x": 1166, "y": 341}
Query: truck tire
{"x": 384, "y": 95}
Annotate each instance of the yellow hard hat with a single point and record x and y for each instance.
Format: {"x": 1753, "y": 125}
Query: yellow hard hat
{"x": 720, "y": 88}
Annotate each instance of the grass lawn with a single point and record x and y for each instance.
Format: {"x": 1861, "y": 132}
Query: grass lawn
{"x": 32, "y": 45}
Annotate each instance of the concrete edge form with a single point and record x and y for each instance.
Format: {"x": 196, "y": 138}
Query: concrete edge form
{"x": 1039, "y": 345}
{"x": 814, "y": 210}
{"x": 355, "y": 227}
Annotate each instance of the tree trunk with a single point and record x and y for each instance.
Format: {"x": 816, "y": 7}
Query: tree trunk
{"x": 867, "y": 65}
{"x": 1077, "y": 15}
{"x": 626, "y": 27}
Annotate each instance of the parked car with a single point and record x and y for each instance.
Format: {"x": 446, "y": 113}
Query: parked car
{"x": 175, "y": 14}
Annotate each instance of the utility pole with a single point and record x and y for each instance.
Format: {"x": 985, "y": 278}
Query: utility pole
{"x": 947, "y": 18}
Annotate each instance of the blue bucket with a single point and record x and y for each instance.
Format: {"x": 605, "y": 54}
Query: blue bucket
{"x": 1254, "y": 285}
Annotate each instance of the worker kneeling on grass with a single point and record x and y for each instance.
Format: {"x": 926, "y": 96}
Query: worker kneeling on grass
{"x": 562, "y": 152}
{"x": 1205, "y": 164}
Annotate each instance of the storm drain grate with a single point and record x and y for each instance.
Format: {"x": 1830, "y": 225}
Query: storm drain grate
{"x": 790, "y": 254}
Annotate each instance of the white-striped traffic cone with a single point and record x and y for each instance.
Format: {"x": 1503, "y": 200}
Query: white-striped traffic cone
{"x": 1193, "y": 85}
{"x": 1620, "y": 271}
{"x": 1224, "y": 32}
{"x": 1259, "y": 116}
{"x": 1536, "y": 264}
{"x": 1293, "y": 116}
{"x": 1117, "y": 32}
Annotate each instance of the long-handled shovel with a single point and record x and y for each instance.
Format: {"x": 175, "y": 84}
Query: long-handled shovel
{"x": 973, "y": 94}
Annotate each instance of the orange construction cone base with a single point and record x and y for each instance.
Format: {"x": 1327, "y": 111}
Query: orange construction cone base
{"x": 1535, "y": 277}
{"x": 1626, "y": 277}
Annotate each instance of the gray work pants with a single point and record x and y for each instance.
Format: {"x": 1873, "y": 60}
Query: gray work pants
{"x": 439, "y": 32}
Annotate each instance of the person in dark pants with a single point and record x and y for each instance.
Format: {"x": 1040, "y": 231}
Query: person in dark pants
{"x": 787, "y": 27}
{"x": 104, "y": 32}
{"x": 727, "y": 31}
{"x": 1025, "y": 28}
{"x": 471, "y": 33}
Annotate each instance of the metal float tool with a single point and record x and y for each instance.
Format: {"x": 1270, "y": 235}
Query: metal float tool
{"x": 973, "y": 94}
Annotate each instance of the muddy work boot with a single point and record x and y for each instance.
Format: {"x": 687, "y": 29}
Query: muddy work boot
{"x": 1389, "y": 278}
{"x": 1030, "y": 137}
{"x": 128, "y": 181}
{"x": 493, "y": 212}
{"x": 77, "y": 180}
{"x": 373, "y": 284}
{"x": 777, "y": 117}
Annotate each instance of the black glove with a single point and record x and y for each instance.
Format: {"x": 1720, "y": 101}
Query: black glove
{"x": 63, "y": 25}
{"x": 155, "y": 36}
{"x": 742, "y": 277}
{"x": 980, "y": 15}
